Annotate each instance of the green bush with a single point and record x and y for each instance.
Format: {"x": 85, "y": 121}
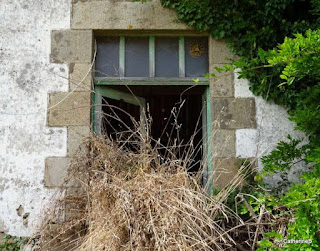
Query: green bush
{"x": 299, "y": 62}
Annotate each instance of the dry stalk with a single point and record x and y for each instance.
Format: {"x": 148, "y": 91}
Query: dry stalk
{"x": 116, "y": 199}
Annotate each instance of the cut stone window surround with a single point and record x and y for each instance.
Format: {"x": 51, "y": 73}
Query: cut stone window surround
{"x": 221, "y": 88}
{"x": 151, "y": 51}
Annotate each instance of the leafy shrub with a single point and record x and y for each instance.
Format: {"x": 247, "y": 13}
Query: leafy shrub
{"x": 298, "y": 59}
{"x": 278, "y": 44}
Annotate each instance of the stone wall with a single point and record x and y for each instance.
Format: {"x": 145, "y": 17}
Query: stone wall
{"x": 273, "y": 126}
{"x": 26, "y": 78}
{"x": 46, "y": 54}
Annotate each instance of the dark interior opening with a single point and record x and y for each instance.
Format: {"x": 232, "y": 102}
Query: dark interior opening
{"x": 176, "y": 114}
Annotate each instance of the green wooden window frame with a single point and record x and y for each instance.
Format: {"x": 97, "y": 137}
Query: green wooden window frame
{"x": 101, "y": 89}
{"x": 152, "y": 79}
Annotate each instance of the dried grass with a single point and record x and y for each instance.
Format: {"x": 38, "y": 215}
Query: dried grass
{"x": 133, "y": 202}
{"x": 116, "y": 199}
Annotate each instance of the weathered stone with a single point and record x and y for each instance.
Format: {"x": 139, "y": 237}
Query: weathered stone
{"x": 56, "y": 171}
{"x": 223, "y": 84}
{"x": 76, "y": 135}
{"x": 233, "y": 113}
{"x": 124, "y": 15}
{"x": 227, "y": 171}
{"x": 69, "y": 46}
{"x": 219, "y": 52}
{"x": 75, "y": 203}
{"x": 61, "y": 237}
{"x": 66, "y": 109}
{"x": 223, "y": 143}
{"x": 80, "y": 77}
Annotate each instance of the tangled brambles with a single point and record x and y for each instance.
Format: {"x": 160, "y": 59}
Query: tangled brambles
{"x": 131, "y": 201}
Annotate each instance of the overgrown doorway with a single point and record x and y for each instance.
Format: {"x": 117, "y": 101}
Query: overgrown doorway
{"x": 162, "y": 75}
{"x": 176, "y": 113}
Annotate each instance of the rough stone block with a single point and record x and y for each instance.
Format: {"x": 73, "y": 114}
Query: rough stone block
{"x": 62, "y": 238}
{"x": 76, "y": 135}
{"x": 80, "y": 77}
{"x": 124, "y": 15}
{"x": 223, "y": 143}
{"x": 56, "y": 171}
{"x": 219, "y": 53}
{"x": 227, "y": 171}
{"x": 233, "y": 113}
{"x": 69, "y": 46}
{"x": 223, "y": 84}
{"x": 66, "y": 109}
{"x": 75, "y": 203}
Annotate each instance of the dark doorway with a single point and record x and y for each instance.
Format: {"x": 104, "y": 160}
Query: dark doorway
{"x": 175, "y": 112}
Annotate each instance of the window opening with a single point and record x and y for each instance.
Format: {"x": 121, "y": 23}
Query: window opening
{"x": 167, "y": 57}
{"x": 137, "y": 57}
{"x": 155, "y": 71}
{"x": 107, "y": 61}
{"x": 152, "y": 57}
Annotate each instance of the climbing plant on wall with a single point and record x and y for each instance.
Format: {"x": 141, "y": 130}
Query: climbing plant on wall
{"x": 287, "y": 74}
{"x": 250, "y": 27}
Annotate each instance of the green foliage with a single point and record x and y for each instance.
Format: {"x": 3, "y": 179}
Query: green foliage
{"x": 280, "y": 160}
{"x": 299, "y": 60}
{"x": 284, "y": 156}
{"x": 251, "y": 28}
{"x": 295, "y": 63}
{"x": 278, "y": 47}
{"x": 11, "y": 243}
{"x": 300, "y": 57}
{"x": 299, "y": 208}
{"x": 247, "y": 24}
{"x": 304, "y": 201}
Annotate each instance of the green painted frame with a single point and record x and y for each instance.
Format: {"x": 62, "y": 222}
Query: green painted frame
{"x": 101, "y": 89}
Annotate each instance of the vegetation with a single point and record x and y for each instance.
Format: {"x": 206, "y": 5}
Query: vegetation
{"x": 138, "y": 201}
{"x": 12, "y": 243}
{"x": 135, "y": 201}
{"x": 278, "y": 48}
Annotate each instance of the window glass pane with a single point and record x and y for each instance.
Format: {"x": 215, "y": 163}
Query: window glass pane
{"x": 167, "y": 57}
{"x": 196, "y": 56}
{"x": 137, "y": 57}
{"x": 107, "y": 61}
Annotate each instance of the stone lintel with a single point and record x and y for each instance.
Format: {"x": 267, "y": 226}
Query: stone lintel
{"x": 124, "y": 15}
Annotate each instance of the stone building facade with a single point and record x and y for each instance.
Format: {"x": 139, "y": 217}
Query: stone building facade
{"x": 47, "y": 51}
